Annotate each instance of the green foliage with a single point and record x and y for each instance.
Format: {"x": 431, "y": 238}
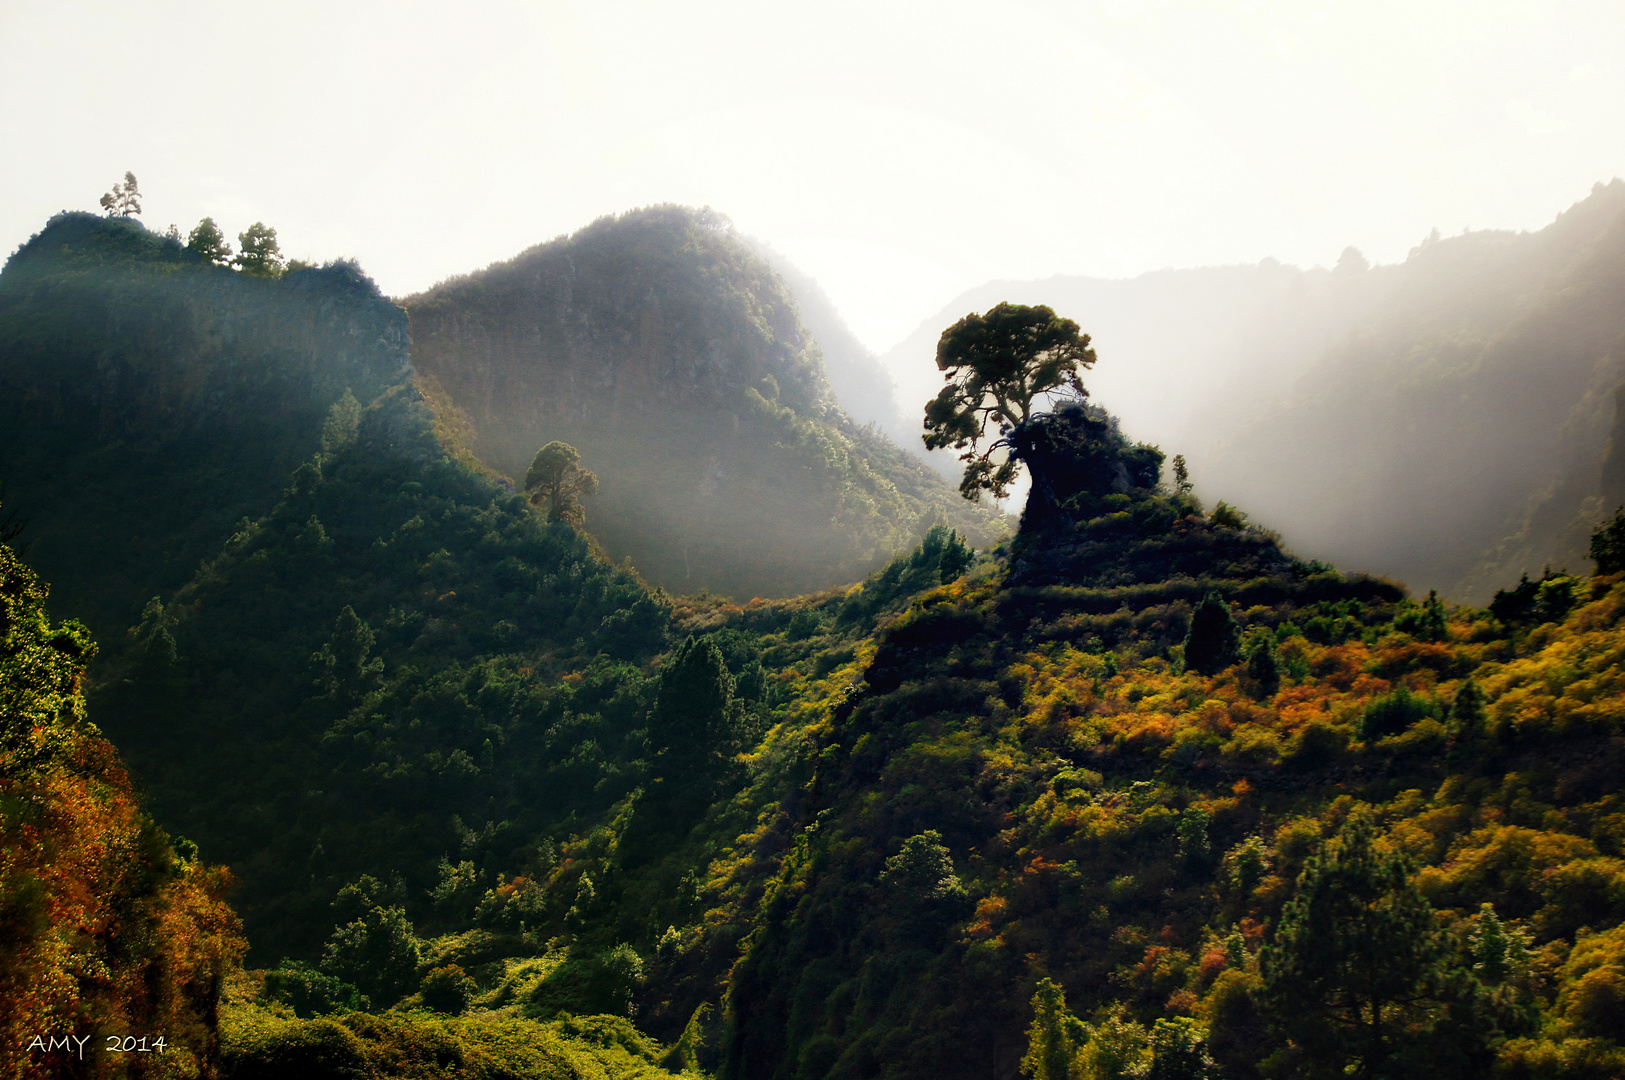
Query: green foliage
{"x": 345, "y": 670}
{"x": 556, "y": 476}
{"x": 1226, "y": 516}
{"x": 1178, "y": 1050}
{"x": 378, "y": 953}
{"x": 208, "y": 241}
{"x": 309, "y": 992}
{"x": 1534, "y": 602}
{"x": 995, "y": 366}
{"x": 589, "y": 984}
{"x": 1182, "y": 476}
{"x": 1608, "y": 544}
{"x": 1393, "y": 713}
{"x": 694, "y": 727}
{"x": 107, "y": 926}
{"x": 1054, "y": 1036}
{"x": 1195, "y": 843}
{"x": 124, "y": 200}
{"x": 343, "y": 424}
{"x": 1467, "y": 712}
{"x": 839, "y": 835}
{"x": 447, "y": 990}
{"x": 920, "y": 886}
{"x": 1117, "y": 1048}
{"x": 260, "y": 1047}
{"x": 258, "y": 254}
{"x": 1213, "y": 641}
{"x": 1357, "y": 960}
{"x": 1263, "y": 666}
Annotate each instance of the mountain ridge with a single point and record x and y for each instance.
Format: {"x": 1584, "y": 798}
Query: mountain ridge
{"x": 671, "y": 355}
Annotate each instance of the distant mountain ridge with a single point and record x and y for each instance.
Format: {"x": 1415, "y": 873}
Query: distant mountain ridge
{"x": 857, "y": 378}
{"x": 1443, "y": 421}
{"x": 673, "y": 357}
{"x": 1456, "y": 436}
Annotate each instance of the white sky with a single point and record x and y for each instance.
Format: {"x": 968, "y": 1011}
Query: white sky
{"x": 900, "y": 153}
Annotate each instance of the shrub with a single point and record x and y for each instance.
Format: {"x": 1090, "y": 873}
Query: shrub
{"x": 1392, "y": 713}
{"x": 311, "y": 993}
{"x": 447, "y": 990}
{"x": 601, "y": 983}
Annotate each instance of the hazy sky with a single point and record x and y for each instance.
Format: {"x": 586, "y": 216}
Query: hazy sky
{"x": 898, "y": 152}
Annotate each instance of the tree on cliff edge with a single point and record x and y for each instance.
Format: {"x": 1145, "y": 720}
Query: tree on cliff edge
{"x": 208, "y": 241}
{"x": 996, "y": 367}
{"x": 259, "y": 255}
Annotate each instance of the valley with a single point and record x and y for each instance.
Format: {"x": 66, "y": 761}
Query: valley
{"x": 326, "y": 752}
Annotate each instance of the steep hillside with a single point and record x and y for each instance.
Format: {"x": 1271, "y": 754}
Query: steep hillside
{"x": 108, "y": 926}
{"x": 1151, "y": 798}
{"x": 149, "y": 401}
{"x": 856, "y": 376}
{"x": 1137, "y": 793}
{"x": 672, "y": 357}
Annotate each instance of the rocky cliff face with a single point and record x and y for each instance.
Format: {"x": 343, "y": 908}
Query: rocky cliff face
{"x": 673, "y": 358}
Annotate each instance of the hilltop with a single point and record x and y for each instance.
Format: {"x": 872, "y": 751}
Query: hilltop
{"x": 671, "y": 355}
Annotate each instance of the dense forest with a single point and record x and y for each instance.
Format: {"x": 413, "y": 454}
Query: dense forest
{"x": 1134, "y": 792}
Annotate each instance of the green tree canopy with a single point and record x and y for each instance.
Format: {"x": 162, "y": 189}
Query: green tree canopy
{"x": 693, "y": 726}
{"x": 997, "y": 367}
{"x": 208, "y": 241}
{"x": 1214, "y": 640}
{"x": 1608, "y": 544}
{"x": 259, "y": 254}
{"x": 377, "y": 953}
{"x": 1357, "y": 958}
{"x": 556, "y": 475}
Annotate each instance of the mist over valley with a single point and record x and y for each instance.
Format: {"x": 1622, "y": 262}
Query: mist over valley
{"x": 989, "y": 544}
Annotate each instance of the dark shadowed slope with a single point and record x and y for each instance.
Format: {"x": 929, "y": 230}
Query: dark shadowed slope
{"x": 149, "y": 401}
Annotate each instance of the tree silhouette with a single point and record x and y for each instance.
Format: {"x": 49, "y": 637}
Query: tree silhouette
{"x": 693, "y": 728}
{"x": 997, "y": 366}
{"x": 124, "y": 200}
{"x": 1608, "y": 544}
{"x": 1213, "y": 641}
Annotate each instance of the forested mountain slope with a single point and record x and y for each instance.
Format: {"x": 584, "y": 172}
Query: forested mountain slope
{"x": 856, "y": 376}
{"x": 149, "y": 401}
{"x": 108, "y": 927}
{"x": 1138, "y": 793}
{"x": 671, "y": 355}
